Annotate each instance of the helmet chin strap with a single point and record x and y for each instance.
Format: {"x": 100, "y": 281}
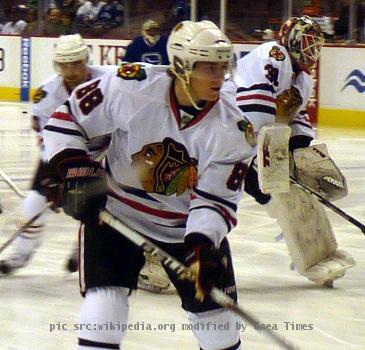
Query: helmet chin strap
{"x": 185, "y": 80}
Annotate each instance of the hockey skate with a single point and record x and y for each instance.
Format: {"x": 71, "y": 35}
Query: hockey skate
{"x": 14, "y": 262}
{"x": 328, "y": 270}
{"x": 153, "y": 277}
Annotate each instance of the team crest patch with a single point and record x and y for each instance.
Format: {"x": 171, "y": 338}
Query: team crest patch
{"x": 131, "y": 71}
{"x": 276, "y": 53}
{"x": 39, "y": 95}
{"x": 247, "y": 127}
{"x": 165, "y": 168}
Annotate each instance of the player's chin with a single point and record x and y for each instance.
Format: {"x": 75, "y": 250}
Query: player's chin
{"x": 73, "y": 82}
{"x": 212, "y": 95}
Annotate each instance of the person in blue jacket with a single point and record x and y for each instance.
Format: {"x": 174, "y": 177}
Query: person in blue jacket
{"x": 150, "y": 47}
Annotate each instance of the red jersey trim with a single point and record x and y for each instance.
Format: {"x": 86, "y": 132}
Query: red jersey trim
{"x": 148, "y": 210}
{"x": 176, "y": 110}
{"x": 62, "y": 116}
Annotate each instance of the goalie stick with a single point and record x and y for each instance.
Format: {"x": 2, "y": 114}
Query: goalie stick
{"x": 11, "y": 184}
{"x": 328, "y": 204}
{"x": 25, "y": 226}
{"x": 184, "y": 273}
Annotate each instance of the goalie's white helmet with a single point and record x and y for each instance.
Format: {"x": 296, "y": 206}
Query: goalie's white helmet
{"x": 191, "y": 42}
{"x": 70, "y": 48}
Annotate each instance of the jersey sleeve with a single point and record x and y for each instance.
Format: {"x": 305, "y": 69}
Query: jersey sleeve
{"x": 301, "y": 124}
{"x": 215, "y": 199}
{"x": 84, "y": 116}
{"x": 42, "y": 104}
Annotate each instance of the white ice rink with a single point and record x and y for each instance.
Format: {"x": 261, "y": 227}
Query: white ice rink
{"x": 43, "y": 294}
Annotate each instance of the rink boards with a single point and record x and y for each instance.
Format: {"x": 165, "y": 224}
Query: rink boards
{"x": 337, "y": 100}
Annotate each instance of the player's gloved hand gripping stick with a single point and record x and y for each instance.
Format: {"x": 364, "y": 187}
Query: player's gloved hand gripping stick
{"x": 186, "y": 273}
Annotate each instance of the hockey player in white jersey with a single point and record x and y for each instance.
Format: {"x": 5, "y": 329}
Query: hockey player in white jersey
{"x": 70, "y": 60}
{"x": 274, "y": 85}
{"x": 175, "y": 167}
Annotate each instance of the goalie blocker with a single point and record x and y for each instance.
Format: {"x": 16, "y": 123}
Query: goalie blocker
{"x": 307, "y": 231}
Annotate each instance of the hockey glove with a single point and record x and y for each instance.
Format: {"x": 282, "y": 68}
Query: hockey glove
{"x": 252, "y": 185}
{"x": 299, "y": 141}
{"x": 85, "y": 188}
{"x": 206, "y": 262}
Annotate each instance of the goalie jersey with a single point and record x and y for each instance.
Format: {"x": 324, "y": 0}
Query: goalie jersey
{"x": 268, "y": 89}
{"x": 49, "y": 96}
{"x": 169, "y": 176}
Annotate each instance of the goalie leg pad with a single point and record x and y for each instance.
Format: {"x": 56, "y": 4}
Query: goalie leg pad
{"x": 330, "y": 269}
{"x": 309, "y": 236}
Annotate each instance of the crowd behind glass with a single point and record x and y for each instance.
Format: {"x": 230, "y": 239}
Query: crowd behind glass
{"x": 245, "y": 20}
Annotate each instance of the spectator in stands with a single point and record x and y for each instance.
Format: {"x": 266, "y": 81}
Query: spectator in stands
{"x": 16, "y": 24}
{"x": 180, "y": 12}
{"x": 150, "y": 47}
{"x": 32, "y": 22}
{"x": 66, "y": 6}
{"x": 54, "y": 25}
{"x": 111, "y": 14}
{"x": 87, "y": 14}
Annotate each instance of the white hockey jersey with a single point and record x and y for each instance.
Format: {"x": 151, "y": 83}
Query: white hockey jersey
{"x": 49, "y": 96}
{"x": 169, "y": 180}
{"x": 262, "y": 76}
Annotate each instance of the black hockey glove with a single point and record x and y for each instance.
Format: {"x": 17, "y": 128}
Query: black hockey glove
{"x": 84, "y": 188}
{"x": 252, "y": 185}
{"x": 299, "y": 141}
{"x": 205, "y": 261}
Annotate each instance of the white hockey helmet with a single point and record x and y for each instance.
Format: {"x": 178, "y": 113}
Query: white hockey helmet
{"x": 70, "y": 48}
{"x": 191, "y": 42}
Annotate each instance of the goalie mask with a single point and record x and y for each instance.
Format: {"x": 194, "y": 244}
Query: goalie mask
{"x": 192, "y": 42}
{"x": 303, "y": 38}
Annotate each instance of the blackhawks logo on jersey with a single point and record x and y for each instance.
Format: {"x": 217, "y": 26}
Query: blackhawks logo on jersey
{"x": 276, "y": 53}
{"x": 131, "y": 71}
{"x": 247, "y": 127}
{"x": 165, "y": 168}
{"x": 39, "y": 95}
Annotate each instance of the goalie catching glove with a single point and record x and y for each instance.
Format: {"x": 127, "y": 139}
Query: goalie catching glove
{"x": 206, "y": 262}
{"x": 84, "y": 188}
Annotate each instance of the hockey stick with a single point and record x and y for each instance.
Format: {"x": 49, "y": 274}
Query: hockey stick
{"x": 25, "y": 226}
{"x": 184, "y": 273}
{"x": 328, "y": 204}
{"x": 11, "y": 184}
